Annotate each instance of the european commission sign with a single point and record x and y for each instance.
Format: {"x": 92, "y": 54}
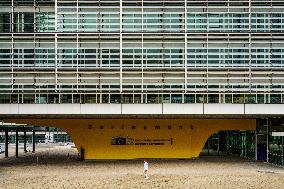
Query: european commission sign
{"x": 119, "y": 140}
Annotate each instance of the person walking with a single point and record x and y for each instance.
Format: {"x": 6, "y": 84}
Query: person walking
{"x": 146, "y": 167}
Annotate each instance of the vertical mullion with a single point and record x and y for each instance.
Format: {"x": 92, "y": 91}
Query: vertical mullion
{"x": 250, "y": 16}
{"x": 250, "y": 55}
{"x": 185, "y": 48}
{"x": 270, "y": 27}
{"x": 120, "y": 43}
{"x": 229, "y": 61}
{"x": 34, "y": 35}
{"x": 12, "y": 17}
{"x": 56, "y": 63}
{"x": 142, "y": 65}
{"x": 12, "y": 54}
{"x": 270, "y": 17}
{"x": 77, "y": 16}
{"x": 55, "y": 16}
{"x": 22, "y": 22}
{"x": 12, "y": 46}
{"x": 250, "y": 51}
{"x": 77, "y": 51}
{"x": 77, "y": 58}
{"x": 207, "y": 65}
{"x": 34, "y": 17}
{"x": 55, "y": 48}
{"x": 142, "y": 51}
{"x": 207, "y": 51}
{"x": 228, "y": 17}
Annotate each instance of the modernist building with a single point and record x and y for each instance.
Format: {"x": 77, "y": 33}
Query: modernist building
{"x": 173, "y": 59}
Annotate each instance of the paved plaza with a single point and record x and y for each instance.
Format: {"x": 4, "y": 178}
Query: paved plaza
{"x": 58, "y": 167}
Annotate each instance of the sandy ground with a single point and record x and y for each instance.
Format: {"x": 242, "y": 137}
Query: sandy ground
{"x": 59, "y": 168}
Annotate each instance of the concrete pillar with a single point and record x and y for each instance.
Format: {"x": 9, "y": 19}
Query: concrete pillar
{"x": 227, "y": 142}
{"x": 255, "y": 145}
{"x": 245, "y": 143}
{"x": 218, "y": 148}
{"x": 17, "y": 144}
{"x": 208, "y": 145}
{"x": 82, "y": 153}
{"x": 267, "y": 140}
{"x": 25, "y": 141}
{"x": 283, "y": 149}
{"x": 6, "y": 144}
{"x": 33, "y": 141}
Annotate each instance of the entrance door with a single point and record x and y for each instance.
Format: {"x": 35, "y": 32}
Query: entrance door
{"x": 261, "y": 147}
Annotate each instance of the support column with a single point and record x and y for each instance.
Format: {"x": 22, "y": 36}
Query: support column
{"x": 267, "y": 140}
{"x": 255, "y": 144}
{"x": 33, "y": 141}
{"x": 218, "y": 149}
{"x": 6, "y": 144}
{"x": 17, "y": 143}
{"x": 283, "y": 149}
{"x": 82, "y": 151}
{"x": 25, "y": 141}
{"x": 245, "y": 141}
{"x": 227, "y": 142}
{"x": 208, "y": 146}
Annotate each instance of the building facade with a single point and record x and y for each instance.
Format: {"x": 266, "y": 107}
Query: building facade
{"x": 61, "y": 51}
{"x": 192, "y": 53}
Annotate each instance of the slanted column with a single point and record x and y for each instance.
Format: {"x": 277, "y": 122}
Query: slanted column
{"x": 25, "y": 141}
{"x": 17, "y": 143}
{"x": 33, "y": 141}
{"x": 6, "y": 144}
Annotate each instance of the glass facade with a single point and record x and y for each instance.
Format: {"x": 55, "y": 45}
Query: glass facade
{"x": 261, "y": 144}
{"x": 141, "y": 51}
{"x": 238, "y": 142}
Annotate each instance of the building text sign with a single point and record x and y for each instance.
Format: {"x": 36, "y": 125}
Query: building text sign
{"x": 120, "y": 140}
